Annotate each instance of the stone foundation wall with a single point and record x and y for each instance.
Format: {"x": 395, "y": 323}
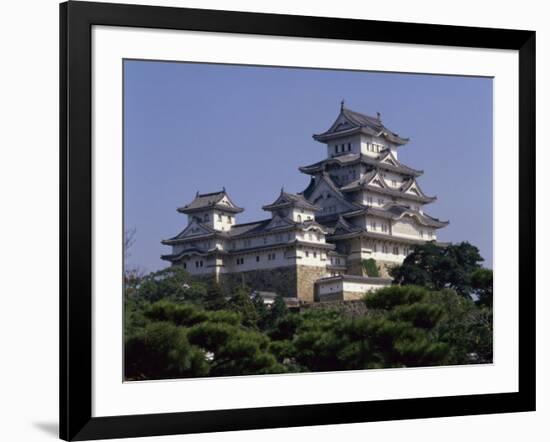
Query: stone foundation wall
{"x": 353, "y": 296}
{"x": 355, "y": 267}
{"x": 307, "y": 275}
{"x": 281, "y": 280}
{"x": 350, "y": 309}
{"x": 328, "y": 297}
{"x": 384, "y": 267}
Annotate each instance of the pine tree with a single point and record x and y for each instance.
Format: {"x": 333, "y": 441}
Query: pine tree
{"x": 214, "y": 298}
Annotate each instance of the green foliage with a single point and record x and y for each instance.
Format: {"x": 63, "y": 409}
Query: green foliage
{"x": 465, "y": 327}
{"x": 437, "y": 267}
{"x": 241, "y": 302}
{"x": 161, "y": 350}
{"x": 234, "y": 351}
{"x": 175, "y": 327}
{"x": 172, "y": 283}
{"x": 482, "y": 282}
{"x": 214, "y": 298}
{"x": 371, "y": 268}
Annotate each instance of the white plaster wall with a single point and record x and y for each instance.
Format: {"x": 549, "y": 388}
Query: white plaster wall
{"x": 211, "y": 218}
{"x": 377, "y": 227}
{"x": 331, "y": 146}
{"x": 330, "y": 287}
{"x": 410, "y": 228}
{"x": 315, "y": 258}
{"x": 359, "y": 287}
{"x": 311, "y": 235}
{"x": 372, "y": 146}
{"x": 189, "y": 264}
{"x": 223, "y": 221}
{"x": 262, "y": 240}
{"x": 282, "y": 258}
{"x": 389, "y": 177}
{"x": 300, "y": 215}
{"x": 377, "y": 199}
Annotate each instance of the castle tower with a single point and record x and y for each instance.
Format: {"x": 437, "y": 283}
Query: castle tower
{"x": 372, "y": 201}
{"x": 215, "y": 210}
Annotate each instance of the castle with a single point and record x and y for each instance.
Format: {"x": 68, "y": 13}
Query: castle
{"x": 361, "y": 203}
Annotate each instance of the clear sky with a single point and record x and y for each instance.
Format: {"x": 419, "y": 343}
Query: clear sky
{"x": 190, "y": 127}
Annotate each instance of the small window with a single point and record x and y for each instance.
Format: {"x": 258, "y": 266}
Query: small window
{"x": 315, "y": 254}
{"x": 349, "y": 147}
{"x": 375, "y": 248}
{"x": 385, "y": 249}
{"x": 336, "y": 148}
{"x": 206, "y": 217}
{"x": 257, "y": 259}
{"x": 380, "y": 201}
{"x": 184, "y": 265}
{"x": 396, "y": 250}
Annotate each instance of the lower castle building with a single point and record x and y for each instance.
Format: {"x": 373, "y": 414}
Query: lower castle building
{"x": 361, "y": 203}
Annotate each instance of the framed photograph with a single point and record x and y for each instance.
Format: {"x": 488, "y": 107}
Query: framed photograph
{"x": 273, "y": 220}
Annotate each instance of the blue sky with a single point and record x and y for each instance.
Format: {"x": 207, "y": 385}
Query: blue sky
{"x": 199, "y": 127}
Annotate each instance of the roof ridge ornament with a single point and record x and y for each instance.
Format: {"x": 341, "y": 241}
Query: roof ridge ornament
{"x": 342, "y": 103}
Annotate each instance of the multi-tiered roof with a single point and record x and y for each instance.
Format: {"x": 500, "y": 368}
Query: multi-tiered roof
{"x": 404, "y": 199}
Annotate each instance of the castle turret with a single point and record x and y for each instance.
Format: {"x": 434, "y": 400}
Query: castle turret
{"x": 356, "y": 133}
{"x": 216, "y": 210}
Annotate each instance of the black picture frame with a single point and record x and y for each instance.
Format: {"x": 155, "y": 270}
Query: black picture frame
{"x": 76, "y": 21}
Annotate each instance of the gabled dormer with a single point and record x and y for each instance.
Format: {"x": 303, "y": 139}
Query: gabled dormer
{"x": 215, "y": 210}
{"x": 292, "y": 206}
{"x": 411, "y": 187}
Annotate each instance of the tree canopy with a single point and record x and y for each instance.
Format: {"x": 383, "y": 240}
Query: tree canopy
{"x": 440, "y": 314}
{"x": 437, "y": 267}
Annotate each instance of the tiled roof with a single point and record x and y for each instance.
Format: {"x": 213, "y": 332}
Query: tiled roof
{"x": 354, "y": 158}
{"x": 349, "y": 122}
{"x": 210, "y": 200}
{"x": 364, "y": 183}
{"x": 286, "y": 199}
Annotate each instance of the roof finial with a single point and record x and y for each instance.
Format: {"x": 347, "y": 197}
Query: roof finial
{"x": 197, "y": 194}
{"x": 223, "y": 189}
{"x": 378, "y": 116}
{"x": 282, "y": 189}
{"x": 342, "y": 104}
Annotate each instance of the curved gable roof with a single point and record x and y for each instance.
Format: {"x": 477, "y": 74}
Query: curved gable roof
{"x": 350, "y": 122}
